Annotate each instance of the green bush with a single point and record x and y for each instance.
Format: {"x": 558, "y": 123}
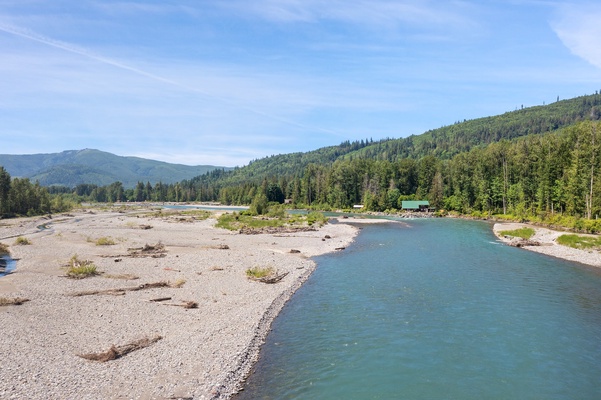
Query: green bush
{"x": 259, "y": 204}
{"x": 315, "y": 217}
{"x": 79, "y": 269}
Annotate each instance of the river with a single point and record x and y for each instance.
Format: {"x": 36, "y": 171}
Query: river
{"x": 436, "y": 309}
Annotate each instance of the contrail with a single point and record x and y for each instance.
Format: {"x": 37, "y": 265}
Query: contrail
{"x": 28, "y": 34}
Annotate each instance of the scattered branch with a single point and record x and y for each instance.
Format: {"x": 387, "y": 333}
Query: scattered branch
{"x": 184, "y": 304}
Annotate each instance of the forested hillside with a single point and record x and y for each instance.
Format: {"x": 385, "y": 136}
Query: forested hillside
{"x": 541, "y": 163}
{"x": 446, "y": 142}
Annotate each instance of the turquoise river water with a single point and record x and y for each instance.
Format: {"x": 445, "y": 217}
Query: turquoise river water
{"x": 436, "y": 309}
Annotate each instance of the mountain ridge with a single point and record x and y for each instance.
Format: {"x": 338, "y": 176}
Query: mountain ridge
{"x": 72, "y": 167}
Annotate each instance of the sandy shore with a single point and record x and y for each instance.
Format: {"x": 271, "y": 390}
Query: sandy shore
{"x": 548, "y": 245}
{"x": 204, "y": 352}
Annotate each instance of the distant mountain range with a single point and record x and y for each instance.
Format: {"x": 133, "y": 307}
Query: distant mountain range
{"x": 72, "y": 167}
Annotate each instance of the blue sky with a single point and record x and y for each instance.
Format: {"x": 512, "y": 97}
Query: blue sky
{"x": 224, "y": 82}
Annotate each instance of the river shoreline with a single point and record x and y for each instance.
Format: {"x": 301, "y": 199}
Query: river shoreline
{"x": 544, "y": 241}
{"x": 204, "y": 353}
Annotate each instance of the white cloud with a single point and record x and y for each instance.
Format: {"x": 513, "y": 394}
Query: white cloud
{"x": 578, "y": 26}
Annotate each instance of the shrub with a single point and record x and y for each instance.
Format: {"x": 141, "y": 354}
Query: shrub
{"x": 259, "y": 204}
{"x": 22, "y": 241}
{"x": 79, "y": 269}
{"x": 316, "y": 217}
{"x": 3, "y": 249}
{"x": 276, "y": 211}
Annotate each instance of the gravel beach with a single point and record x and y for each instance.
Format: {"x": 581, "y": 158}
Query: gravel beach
{"x": 202, "y": 353}
{"x": 547, "y": 244}
{"x": 199, "y": 353}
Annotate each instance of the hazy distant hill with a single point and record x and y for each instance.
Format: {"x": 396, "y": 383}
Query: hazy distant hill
{"x": 72, "y": 167}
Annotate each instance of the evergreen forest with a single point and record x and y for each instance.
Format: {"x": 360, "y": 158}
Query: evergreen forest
{"x": 540, "y": 164}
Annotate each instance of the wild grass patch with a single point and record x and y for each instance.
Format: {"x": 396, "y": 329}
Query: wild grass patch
{"x": 524, "y": 233}
{"x": 189, "y": 215}
{"x": 237, "y": 221}
{"x": 260, "y": 272}
{"x": 580, "y": 242}
{"x": 265, "y": 274}
{"x": 105, "y": 241}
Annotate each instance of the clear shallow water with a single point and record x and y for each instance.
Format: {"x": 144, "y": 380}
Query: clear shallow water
{"x": 436, "y": 310}
{"x": 7, "y": 265}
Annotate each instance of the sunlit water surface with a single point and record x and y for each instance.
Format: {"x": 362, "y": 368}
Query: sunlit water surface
{"x": 436, "y": 309}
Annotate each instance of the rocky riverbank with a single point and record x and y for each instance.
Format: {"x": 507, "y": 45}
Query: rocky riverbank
{"x": 545, "y": 241}
{"x": 200, "y": 319}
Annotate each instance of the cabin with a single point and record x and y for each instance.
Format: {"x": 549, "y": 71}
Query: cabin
{"x": 418, "y": 205}
{"x": 358, "y": 206}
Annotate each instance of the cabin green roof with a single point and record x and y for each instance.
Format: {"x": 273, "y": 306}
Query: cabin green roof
{"x": 414, "y": 205}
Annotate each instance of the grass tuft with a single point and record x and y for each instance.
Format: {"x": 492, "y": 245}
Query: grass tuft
{"x": 3, "y": 249}
{"x": 22, "y": 241}
{"x": 260, "y": 272}
{"x": 105, "y": 241}
{"x": 178, "y": 283}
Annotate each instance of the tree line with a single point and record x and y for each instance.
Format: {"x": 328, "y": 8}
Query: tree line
{"x": 19, "y": 196}
{"x": 555, "y": 175}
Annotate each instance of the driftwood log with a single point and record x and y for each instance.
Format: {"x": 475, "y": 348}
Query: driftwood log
{"x": 154, "y": 251}
{"x": 17, "y": 301}
{"x": 524, "y": 243}
{"x": 121, "y": 291}
{"x": 115, "y": 352}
